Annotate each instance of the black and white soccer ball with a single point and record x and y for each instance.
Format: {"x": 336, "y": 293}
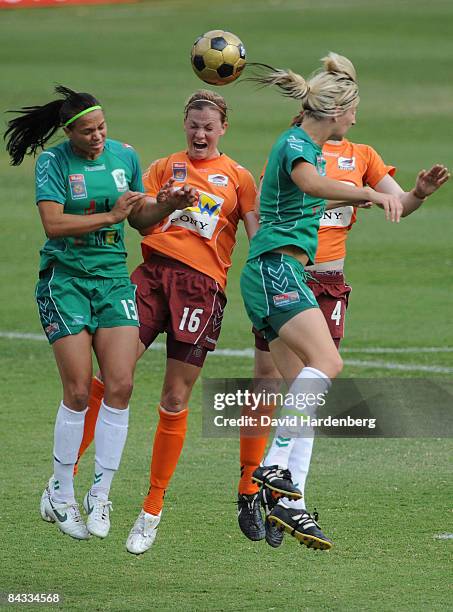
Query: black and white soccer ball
{"x": 218, "y": 57}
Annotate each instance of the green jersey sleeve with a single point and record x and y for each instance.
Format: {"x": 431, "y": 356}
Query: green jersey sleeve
{"x": 49, "y": 178}
{"x": 294, "y": 149}
{"x": 136, "y": 183}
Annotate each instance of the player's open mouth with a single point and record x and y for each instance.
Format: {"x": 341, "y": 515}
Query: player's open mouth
{"x": 200, "y": 146}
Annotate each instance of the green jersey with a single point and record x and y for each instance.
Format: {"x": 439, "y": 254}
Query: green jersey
{"x": 85, "y": 187}
{"x": 287, "y": 214}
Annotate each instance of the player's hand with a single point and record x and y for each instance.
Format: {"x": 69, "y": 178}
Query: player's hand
{"x": 124, "y": 205}
{"x": 429, "y": 181}
{"x": 178, "y": 199}
{"x": 393, "y": 207}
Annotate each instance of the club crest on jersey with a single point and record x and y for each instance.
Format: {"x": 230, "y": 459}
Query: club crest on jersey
{"x": 346, "y": 163}
{"x": 218, "y": 179}
{"x": 180, "y": 171}
{"x": 119, "y": 176}
{"x": 283, "y": 299}
{"x": 77, "y": 186}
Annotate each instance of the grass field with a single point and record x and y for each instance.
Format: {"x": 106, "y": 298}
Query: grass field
{"x": 382, "y": 501}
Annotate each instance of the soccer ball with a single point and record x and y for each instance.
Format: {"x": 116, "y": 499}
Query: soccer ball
{"x": 218, "y": 57}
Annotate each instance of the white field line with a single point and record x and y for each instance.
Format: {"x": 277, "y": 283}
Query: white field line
{"x": 443, "y": 536}
{"x": 249, "y": 353}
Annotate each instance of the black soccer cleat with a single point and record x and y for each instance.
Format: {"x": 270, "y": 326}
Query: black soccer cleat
{"x": 249, "y": 517}
{"x": 301, "y": 525}
{"x": 274, "y": 535}
{"x": 277, "y": 479}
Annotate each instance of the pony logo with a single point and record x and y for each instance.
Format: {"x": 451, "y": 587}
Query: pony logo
{"x": 202, "y": 218}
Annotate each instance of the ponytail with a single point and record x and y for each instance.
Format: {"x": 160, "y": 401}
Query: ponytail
{"x": 35, "y": 125}
{"x": 327, "y": 93}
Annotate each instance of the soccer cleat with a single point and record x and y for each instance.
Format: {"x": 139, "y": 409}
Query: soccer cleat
{"x": 98, "y": 511}
{"x": 249, "y": 516}
{"x": 44, "y": 497}
{"x": 301, "y": 525}
{"x": 274, "y": 535}
{"x": 66, "y": 516}
{"x": 277, "y": 479}
{"x": 143, "y": 533}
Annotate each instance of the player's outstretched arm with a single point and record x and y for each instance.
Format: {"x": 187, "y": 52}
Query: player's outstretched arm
{"x": 426, "y": 183}
{"x": 58, "y": 224}
{"x": 309, "y": 181}
{"x": 151, "y": 211}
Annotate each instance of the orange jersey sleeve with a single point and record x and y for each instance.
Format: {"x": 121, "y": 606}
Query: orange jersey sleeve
{"x": 358, "y": 165}
{"x": 202, "y": 236}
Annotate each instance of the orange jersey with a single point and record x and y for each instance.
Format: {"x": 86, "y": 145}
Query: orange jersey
{"x": 359, "y": 165}
{"x": 202, "y": 236}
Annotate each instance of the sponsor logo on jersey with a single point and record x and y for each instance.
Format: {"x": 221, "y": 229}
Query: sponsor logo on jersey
{"x": 119, "y": 176}
{"x": 127, "y": 146}
{"x": 346, "y": 163}
{"x": 77, "y": 186}
{"x": 94, "y": 168}
{"x": 283, "y": 299}
{"x": 179, "y": 171}
{"x": 329, "y": 154}
{"x": 337, "y": 217}
{"x": 218, "y": 179}
{"x": 202, "y": 218}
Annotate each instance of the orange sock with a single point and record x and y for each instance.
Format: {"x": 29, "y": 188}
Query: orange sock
{"x": 167, "y": 447}
{"x": 94, "y": 405}
{"x": 252, "y": 444}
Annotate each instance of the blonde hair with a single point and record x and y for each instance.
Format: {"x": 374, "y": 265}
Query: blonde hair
{"x": 328, "y": 92}
{"x": 204, "y": 98}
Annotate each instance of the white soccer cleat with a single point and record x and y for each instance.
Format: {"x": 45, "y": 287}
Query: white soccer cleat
{"x": 66, "y": 516}
{"x": 98, "y": 511}
{"x": 45, "y": 496}
{"x": 143, "y": 533}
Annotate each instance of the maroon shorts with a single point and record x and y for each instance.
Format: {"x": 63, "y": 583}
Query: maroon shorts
{"x": 186, "y": 304}
{"x": 332, "y": 295}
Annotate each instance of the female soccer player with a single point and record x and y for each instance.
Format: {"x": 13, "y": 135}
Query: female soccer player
{"x": 181, "y": 284}
{"x": 85, "y": 188}
{"x": 273, "y": 283}
{"x": 359, "y": 165}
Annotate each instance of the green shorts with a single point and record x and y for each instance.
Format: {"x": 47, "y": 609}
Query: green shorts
{"x": 69, "y": 304}
{"x": 274, "y": 290}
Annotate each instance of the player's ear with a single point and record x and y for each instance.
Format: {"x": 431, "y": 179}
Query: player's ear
{"x": 224, "y": 127}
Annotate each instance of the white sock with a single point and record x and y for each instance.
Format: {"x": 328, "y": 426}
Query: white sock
{"x": 68, "y": 435}
{"x": 309, "y": 381}
{"x": 299, "y": 464}
{"x": 109, "y": 439}
{"x": 279, "y": 451}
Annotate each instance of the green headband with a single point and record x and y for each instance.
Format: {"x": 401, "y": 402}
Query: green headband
{"x": 84, "y": 112}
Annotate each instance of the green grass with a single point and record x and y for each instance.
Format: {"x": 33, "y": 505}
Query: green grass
{"x": 381, "y": 500}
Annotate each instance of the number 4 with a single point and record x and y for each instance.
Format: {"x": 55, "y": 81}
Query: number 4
{"x": 336, "y": 314}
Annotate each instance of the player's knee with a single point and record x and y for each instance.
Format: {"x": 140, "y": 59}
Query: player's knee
{"x": 174, "y": 400}
{"x": 335, "y": 366}
{"x": 77, "y": 397}
{"x": 120, "y": 388}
